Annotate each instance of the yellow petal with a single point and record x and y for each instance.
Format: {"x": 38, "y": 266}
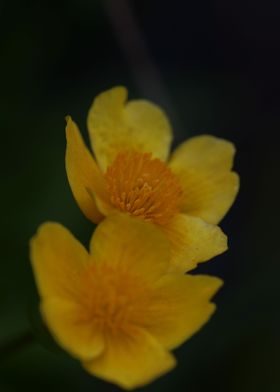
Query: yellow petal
{"x": 57, "y": 258}
{"x": 72, "y": 329}
{"x": 132, "y": 360}
{"x": 126, "y": 242}
{"x": 83, "y": 174}
{"x": 193, "y": 241}
{"x": 203, "y": 166}
{"x": 181, "y": 307}
{"x": 115, "y": 125}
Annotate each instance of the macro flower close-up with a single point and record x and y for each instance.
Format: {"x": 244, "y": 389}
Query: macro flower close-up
{"x": 139, "y": 196}
{"x": 116, "y": 308}
{"x": 185, "y": 194}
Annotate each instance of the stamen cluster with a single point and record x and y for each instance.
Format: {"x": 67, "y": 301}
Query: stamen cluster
{"x": 143, "y": 187}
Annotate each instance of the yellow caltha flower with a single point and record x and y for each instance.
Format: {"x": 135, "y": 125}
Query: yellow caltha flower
{"x": 115, "y": 308}
{"x": 186, "y": 197}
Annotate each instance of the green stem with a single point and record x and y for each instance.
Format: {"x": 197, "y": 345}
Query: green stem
{"x": 16, "y": 344}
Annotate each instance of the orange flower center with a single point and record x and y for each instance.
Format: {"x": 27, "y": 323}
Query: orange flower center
{"x": 144, "y": 187}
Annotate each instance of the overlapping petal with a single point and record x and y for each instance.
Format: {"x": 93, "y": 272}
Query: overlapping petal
{"x": 115, "y": 125}
{"x": 181, "y": 306}
{"x": 57, "y": 259}
{"x": 132, "y": 360}
{"x": 83, "y": 173}
{"x": 127, "y": 243}
{"x": 203, "y": 165}
{"x": 72, "y": 327}
{"x": 193, "y": 241}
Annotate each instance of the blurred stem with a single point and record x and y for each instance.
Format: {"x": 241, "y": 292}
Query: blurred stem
{"x": 133, "y": 45}
{"x": 13, "y": 346}
{"x": 131, "y": 40}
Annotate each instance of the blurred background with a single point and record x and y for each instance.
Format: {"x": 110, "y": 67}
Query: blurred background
{"x": 213, "y": 65}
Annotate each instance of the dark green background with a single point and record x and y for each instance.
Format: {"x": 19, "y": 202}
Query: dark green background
{"x": 217, "y": 71}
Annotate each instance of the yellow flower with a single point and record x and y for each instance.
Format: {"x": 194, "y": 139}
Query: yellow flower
{"x": 185, "y": 197}
{"x": 115, "y": 308}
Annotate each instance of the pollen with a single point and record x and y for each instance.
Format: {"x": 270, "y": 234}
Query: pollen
{"x": 143, "y": 186}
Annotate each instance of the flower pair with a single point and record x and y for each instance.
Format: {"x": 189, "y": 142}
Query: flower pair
{"x": 123, "y": 306}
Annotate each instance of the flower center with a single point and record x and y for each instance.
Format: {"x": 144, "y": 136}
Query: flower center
{"x": 113, "y": 299}
{"x": 144, "y": 187}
